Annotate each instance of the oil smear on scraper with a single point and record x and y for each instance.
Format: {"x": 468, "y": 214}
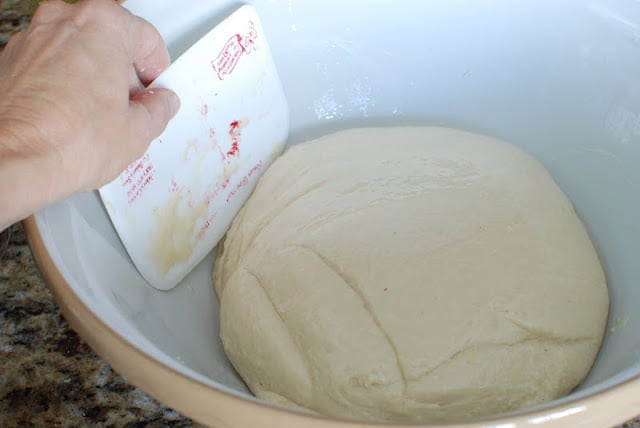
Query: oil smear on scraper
{"x": 174, "y": 204}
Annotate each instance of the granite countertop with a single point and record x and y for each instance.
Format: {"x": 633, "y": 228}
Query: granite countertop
{"x": 48, "y": 375}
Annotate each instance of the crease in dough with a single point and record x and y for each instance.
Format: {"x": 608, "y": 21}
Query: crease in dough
{"x": 351, "y": 283}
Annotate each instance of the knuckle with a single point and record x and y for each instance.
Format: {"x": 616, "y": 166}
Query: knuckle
{"x": 87, "y": 12}
{"x": 49, "y": 10}
{"x": 78, "y": 15}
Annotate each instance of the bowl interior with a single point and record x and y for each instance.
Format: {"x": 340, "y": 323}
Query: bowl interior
{"x": 559, "y": 79}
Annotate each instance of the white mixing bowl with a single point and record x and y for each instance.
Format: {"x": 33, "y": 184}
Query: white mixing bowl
{"x": 559, "y": 78}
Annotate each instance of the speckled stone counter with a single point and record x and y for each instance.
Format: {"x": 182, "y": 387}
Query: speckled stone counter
{"x": 48, "y": 375}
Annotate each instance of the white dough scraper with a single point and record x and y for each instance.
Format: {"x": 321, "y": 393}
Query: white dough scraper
{"x": 173, "y": 205}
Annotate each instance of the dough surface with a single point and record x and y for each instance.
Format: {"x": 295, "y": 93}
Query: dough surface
{"x": 409, "y": 274}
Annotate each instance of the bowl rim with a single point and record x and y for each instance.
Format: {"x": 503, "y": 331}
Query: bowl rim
{"x": 211, "y": 406}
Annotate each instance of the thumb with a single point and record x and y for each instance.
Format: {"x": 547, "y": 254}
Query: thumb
{"x": 151, "y": 110}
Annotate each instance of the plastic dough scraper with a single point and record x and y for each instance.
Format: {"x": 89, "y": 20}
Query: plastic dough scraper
{"x": 173, "y": 205}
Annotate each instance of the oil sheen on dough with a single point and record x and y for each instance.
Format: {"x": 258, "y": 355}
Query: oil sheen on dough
{"x": 409, "y": 274}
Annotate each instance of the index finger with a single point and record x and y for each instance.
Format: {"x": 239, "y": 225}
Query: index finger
{"x": 146, "y": 49}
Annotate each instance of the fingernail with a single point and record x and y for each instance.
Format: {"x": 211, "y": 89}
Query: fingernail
{"x": 174, "y": 102}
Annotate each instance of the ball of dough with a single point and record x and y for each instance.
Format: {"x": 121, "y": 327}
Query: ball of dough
{"x": 409, "y": 274}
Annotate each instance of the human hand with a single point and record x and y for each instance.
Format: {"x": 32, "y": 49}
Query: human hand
{"x": 73, "y": 111}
